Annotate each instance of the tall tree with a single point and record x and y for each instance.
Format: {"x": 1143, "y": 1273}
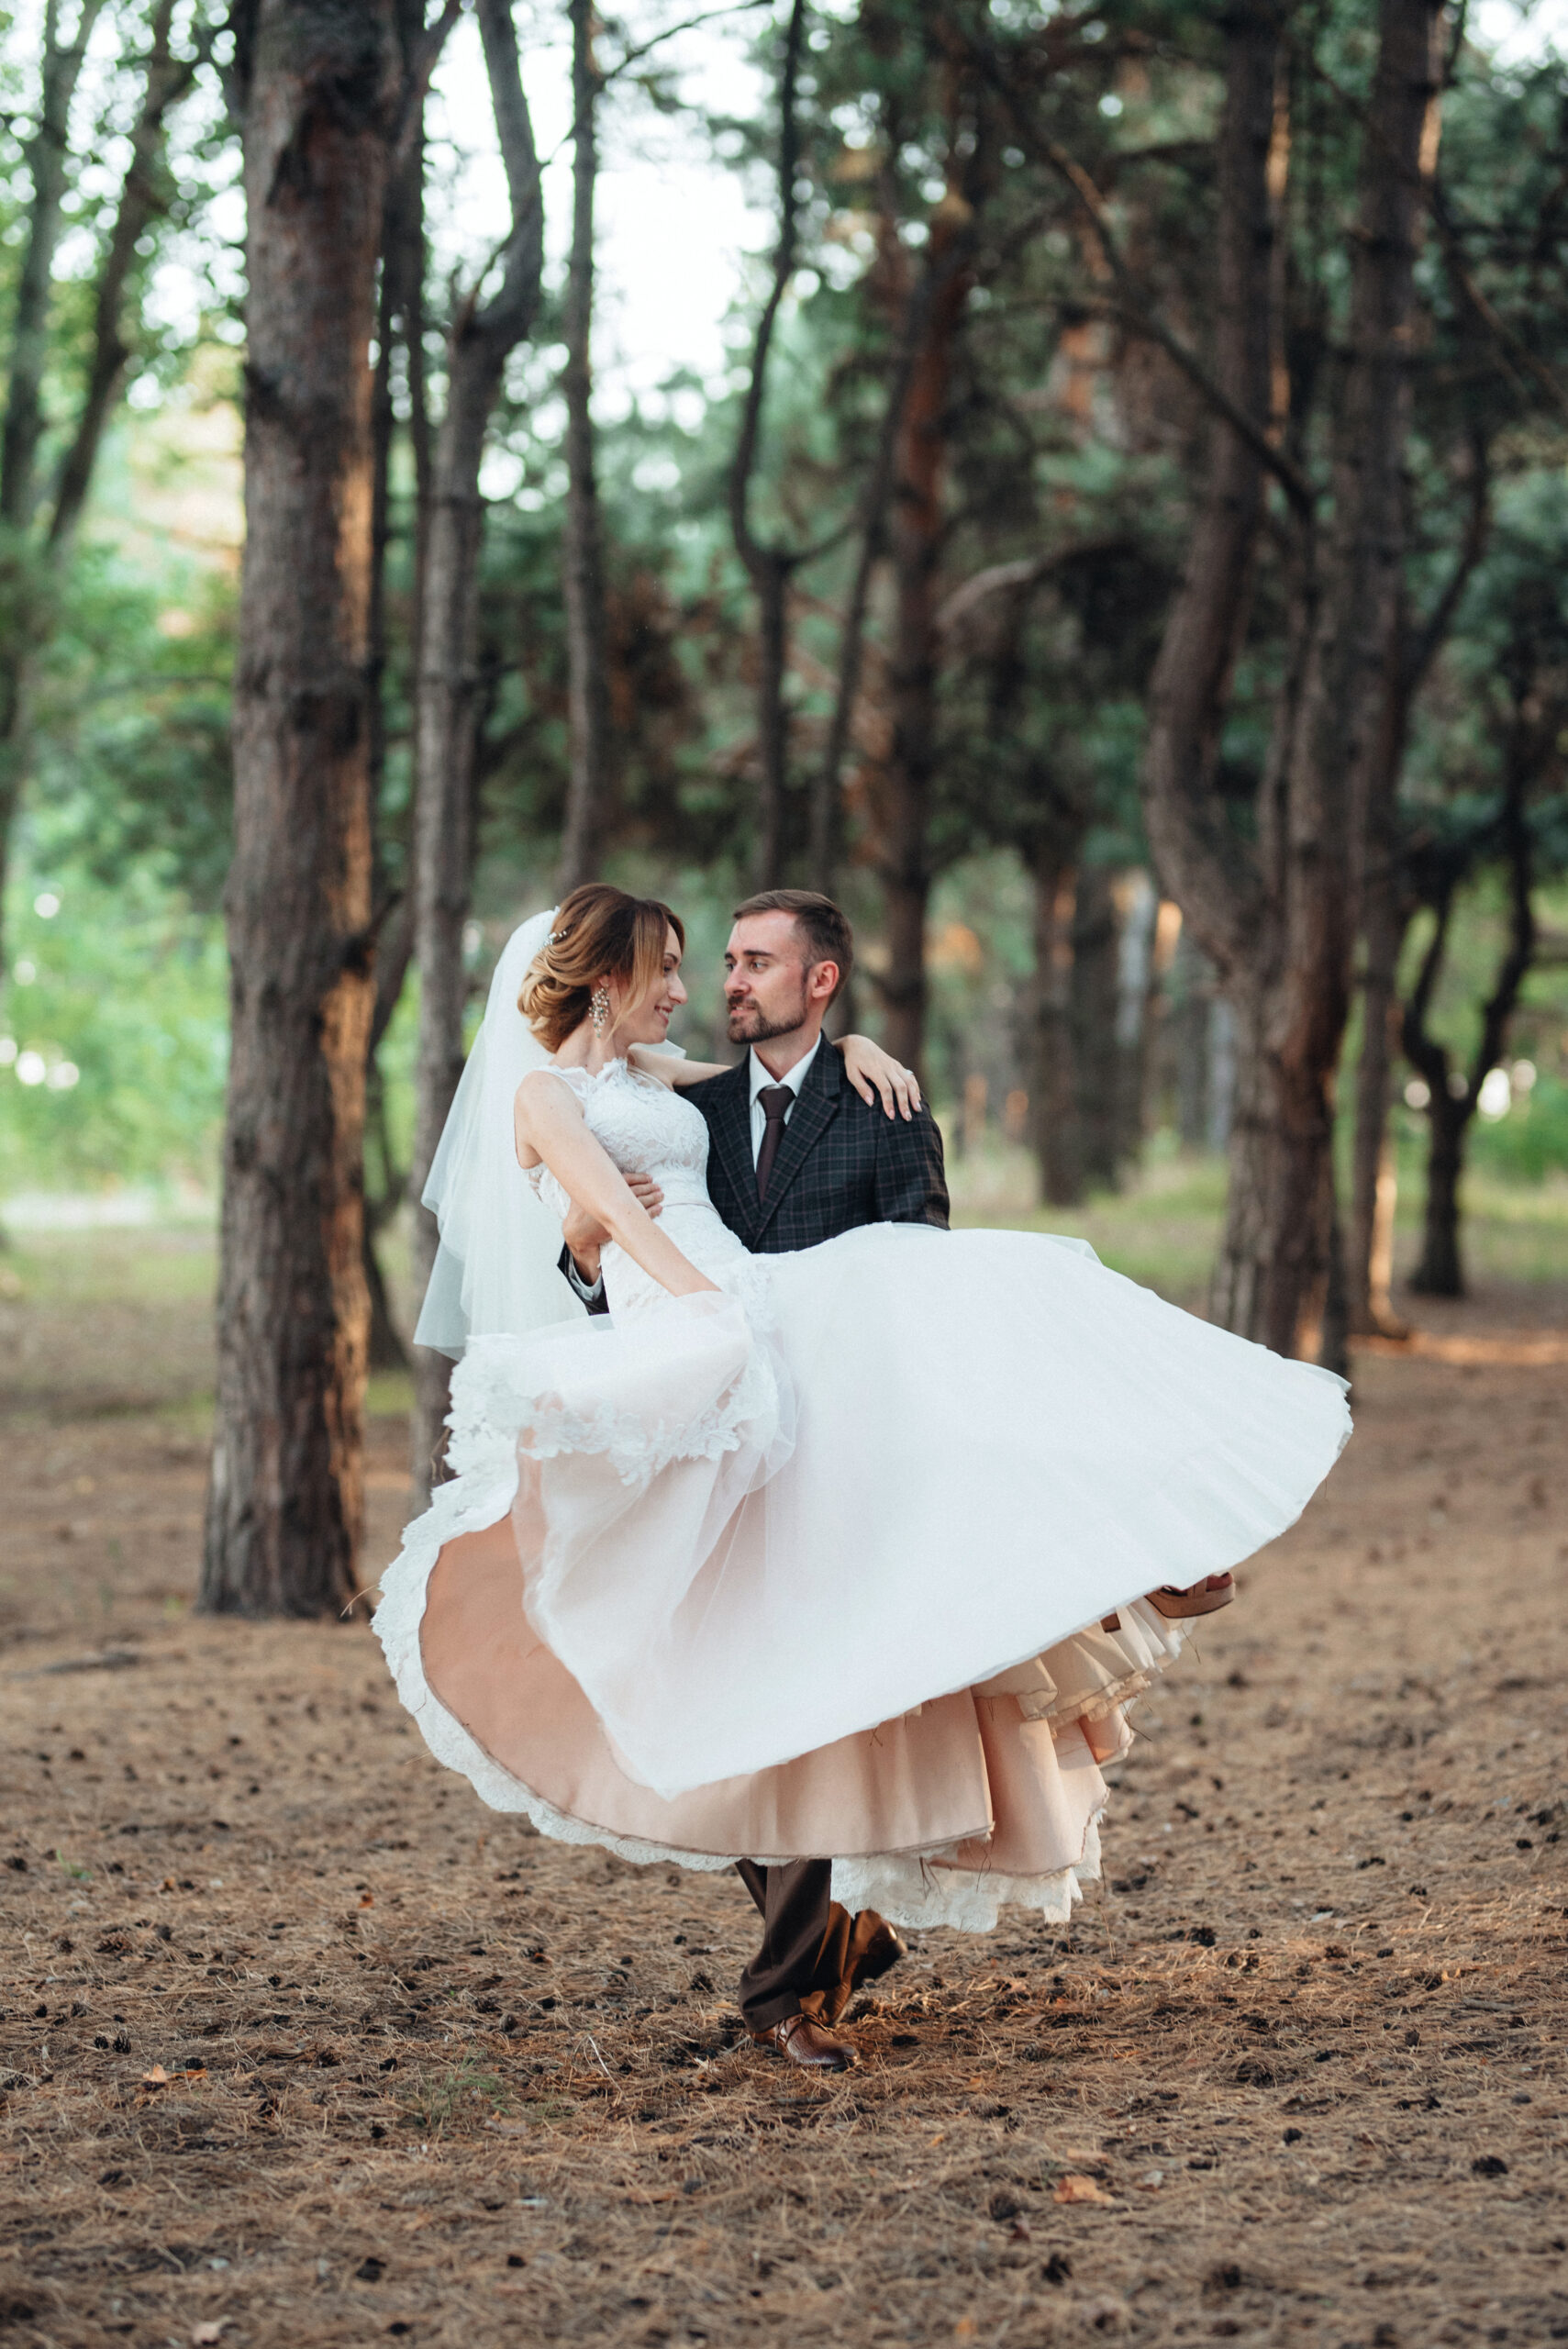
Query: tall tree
{"x": 36, "y": 528}
{"x": 400, "y": 328}
{"x": 588, "y": 689}
{"x": 1278, "y": 923}
{"x": 1453, "y": 1096}
{"x": 771, "y": 564}
{"x": 318, "y": 90}
{"x": 479, "y": 340}
{"x": 1387, "y": 904}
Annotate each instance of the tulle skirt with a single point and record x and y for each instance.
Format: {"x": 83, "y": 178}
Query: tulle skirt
{"x": 848, "y": 1564}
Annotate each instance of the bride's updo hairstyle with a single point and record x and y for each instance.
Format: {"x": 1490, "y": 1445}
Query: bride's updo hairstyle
{"x": 600, "y": 933}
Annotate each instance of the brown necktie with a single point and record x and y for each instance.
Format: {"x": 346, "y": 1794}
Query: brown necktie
{"x": 776, "y": 1100}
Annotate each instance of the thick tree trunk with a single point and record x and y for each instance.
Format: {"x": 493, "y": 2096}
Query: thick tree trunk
{"x": 319, "y": 97}
{"x": 448, "y": 740}
{"x": 588, "y": 689}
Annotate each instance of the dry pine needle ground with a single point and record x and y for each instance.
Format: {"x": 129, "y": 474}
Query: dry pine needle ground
{"x": 301, "y": 2047}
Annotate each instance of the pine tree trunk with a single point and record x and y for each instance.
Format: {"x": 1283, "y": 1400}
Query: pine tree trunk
{"x": 446, "y": 788}
{"x": 1281, "y": 934}
{"x": 285, "y": 1504}
{"x": 1330, "y": 768}
{"x": 915, "y": 536}
{"x": 588, "y": 791}
{"x": 1441, "y": 1270}
{"x": 1533, "y": 736}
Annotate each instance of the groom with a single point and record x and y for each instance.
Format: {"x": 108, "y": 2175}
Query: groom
{"x": 795, "y": 1156}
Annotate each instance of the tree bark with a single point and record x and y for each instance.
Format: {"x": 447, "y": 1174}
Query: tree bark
{"x": 825, "y": 845}
{"x": 319, "y": 93}
{"x": 1279, "y": 926}
{"x": 1190, "y": 687}
{"x": 914, "y": 541}
{"x": 479, "y": 344}
{"x": 1453, "y": 1098}
{"x": 1385, "y": 911}
{"x": 588, "y": 690}
{"x": 1335, "y": 771}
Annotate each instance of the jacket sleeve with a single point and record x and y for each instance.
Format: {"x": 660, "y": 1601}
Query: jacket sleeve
{"x": 911, "y": 1185}
{"x": 593, "y": 1298}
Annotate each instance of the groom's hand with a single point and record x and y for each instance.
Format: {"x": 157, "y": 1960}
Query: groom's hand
{"x": 585, "y": 1235}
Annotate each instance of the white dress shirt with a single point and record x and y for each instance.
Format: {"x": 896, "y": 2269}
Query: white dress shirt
{"x": 760, "y": 1077}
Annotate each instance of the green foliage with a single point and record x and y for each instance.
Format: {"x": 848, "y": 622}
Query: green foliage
{"x": 127, "y": 985}
{"x": 1070, "y": 439}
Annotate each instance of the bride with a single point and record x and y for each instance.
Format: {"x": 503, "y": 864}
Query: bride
{"x": 838, "y": 1551}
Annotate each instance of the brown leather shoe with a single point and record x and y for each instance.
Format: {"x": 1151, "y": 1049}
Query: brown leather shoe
{"x": 801, "y": 2039}
{"x": 875, "y": 1947}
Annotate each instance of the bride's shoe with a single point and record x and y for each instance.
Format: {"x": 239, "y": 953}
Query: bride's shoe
{"x": 1206, "y": 1597}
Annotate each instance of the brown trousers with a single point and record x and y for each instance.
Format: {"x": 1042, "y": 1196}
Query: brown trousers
{"x": 805, "y": 1939}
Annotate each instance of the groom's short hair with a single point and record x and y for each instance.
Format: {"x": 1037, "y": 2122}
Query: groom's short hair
{"x": 823, "y": 925}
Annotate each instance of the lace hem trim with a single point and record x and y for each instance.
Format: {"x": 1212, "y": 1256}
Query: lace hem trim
{"x": 921, "y": 1892}
{"x": 916, "y": 1890}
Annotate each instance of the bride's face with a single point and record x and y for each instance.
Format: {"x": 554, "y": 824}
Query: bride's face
{"x": 648, "y": 1022}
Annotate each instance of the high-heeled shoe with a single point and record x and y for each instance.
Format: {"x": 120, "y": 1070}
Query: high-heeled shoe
{"x": 1206, "y": 1597}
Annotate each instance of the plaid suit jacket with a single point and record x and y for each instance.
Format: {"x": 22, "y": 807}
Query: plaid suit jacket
{"x": 842, "y": 1162}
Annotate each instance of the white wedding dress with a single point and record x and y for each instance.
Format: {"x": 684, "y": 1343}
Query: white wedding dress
{"x": 820, "y": 1566}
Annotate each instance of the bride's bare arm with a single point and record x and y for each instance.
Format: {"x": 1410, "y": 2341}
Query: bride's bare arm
{"x": 549, "y": 1124}
{"x": 870, "y": 1070}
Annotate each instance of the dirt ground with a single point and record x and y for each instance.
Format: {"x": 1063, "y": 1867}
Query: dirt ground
{"x": 299, "y": 2045}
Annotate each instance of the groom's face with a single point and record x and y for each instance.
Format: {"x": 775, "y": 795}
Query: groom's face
{"x": 768, "y": 988}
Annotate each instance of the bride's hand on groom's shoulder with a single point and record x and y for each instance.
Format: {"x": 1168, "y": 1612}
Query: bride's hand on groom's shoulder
{"x": 875, "y": 1076}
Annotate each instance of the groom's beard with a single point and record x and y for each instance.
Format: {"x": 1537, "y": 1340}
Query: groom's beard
{"x": 749, "y": 1024}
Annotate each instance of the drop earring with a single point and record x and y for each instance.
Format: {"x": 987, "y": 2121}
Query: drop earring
{"x": 599, "y": 1007}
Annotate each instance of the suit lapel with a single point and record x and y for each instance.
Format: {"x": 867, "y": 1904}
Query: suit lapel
{"x": 810, "y": 1120}
{"x": 730, "y": 1132}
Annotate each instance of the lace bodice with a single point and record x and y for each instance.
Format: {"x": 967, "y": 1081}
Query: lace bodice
{"x": 647, "y": 1128}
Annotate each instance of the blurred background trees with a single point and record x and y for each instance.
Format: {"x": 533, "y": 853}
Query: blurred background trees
{"x": 1121, "y": 555}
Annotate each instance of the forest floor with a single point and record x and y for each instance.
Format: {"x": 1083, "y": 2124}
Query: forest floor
{"x": 298, "y": 2045}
